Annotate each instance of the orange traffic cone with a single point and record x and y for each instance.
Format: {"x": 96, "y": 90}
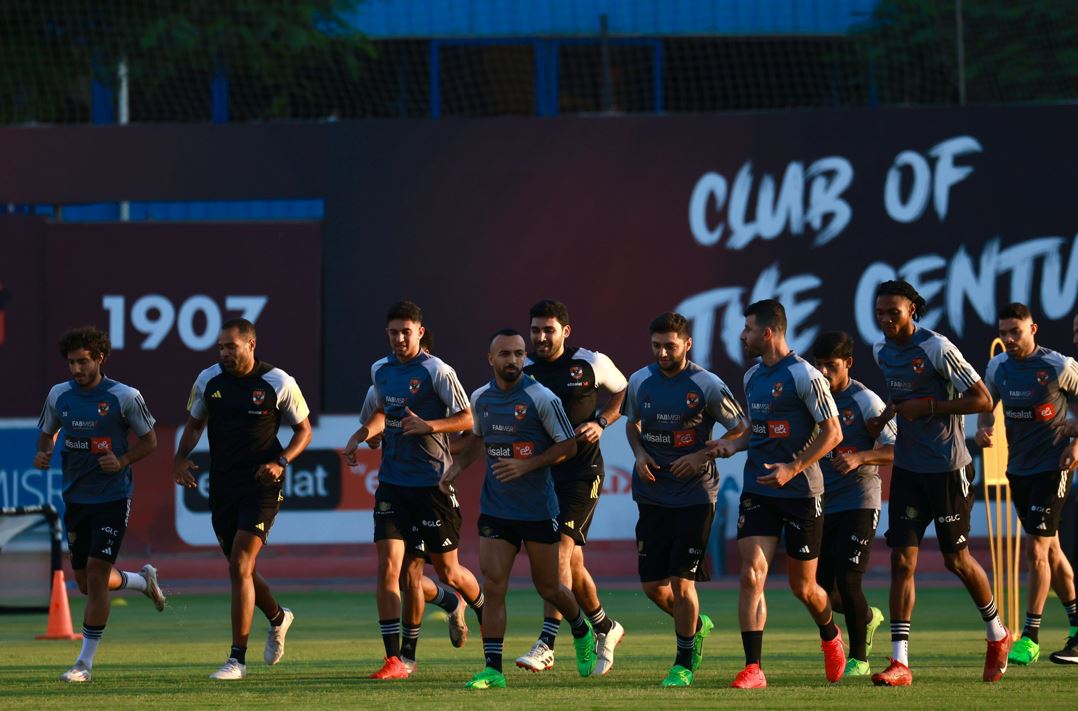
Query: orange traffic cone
{"x": 59, "y": 611}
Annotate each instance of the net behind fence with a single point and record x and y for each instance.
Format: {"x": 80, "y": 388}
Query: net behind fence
{"x": 242, "y": 60}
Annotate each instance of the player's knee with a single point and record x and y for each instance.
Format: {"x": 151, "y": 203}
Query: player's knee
{"x": 753, "y": 576}
{"x": 241, "y": 567}
{"x": 902, "y": 565}
{"x": 83, "y": 587}
{"x": 494, "y": 587}
{"x": 957, "y": 562}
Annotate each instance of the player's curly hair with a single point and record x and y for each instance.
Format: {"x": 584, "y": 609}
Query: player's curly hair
{"x": 549, "y": 308}
{"x": 900, "y": 287}
{"x": 670, "y": 322}
{"x": 86, "y": 337}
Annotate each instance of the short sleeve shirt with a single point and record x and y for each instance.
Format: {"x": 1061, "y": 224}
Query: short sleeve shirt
{"x": 676, "y": 417}
{"x": 428, "y": 387}
{"x": 1034, "y": 391}
{"x": 90, "y": 423}
{"x": 786, "y": 402}
{"x": 576, "y": 378}
{"x": 243, "y": 417}
{"x": 859, "y": 489}
{"x": 927, "y": 367}
{"x": 519, "y": 423}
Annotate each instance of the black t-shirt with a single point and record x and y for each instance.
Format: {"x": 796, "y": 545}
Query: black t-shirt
{"x": 244, "y": 415}
{"x": 575, "y": 377}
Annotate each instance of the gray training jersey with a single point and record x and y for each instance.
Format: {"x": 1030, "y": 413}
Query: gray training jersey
{"x": 1034, "y": 391}
{"x": 857, "y": 489}
{"x": 927, "y": 366}
{"x": 676, "y": 416}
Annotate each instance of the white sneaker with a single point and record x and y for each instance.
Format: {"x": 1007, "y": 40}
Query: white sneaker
{"x": 231, "y": 670}
{"x": 409, "y": 664}
{"x": 77, "y": 674}
{"x": 604, "y": 646}
{"x": 275, "y": 638}
{"x": 539, "y": 658}
{"x": 153, "y": 590}
{"x": 458, "y": 626}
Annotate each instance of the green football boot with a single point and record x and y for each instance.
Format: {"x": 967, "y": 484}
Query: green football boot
{"x": 873, "y": 623}
{"x": 706, "y": 625}
{"x": 1024, "y": 652}
{"x": 678, "y": 676}
{"x": 585, "y": 652}
{"x": 487, "y": 679}
{"x": 855, "y": 667}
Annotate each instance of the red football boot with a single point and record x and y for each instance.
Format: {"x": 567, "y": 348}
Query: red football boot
{"x": 393, "y": 669}
{"x": 898, "y": 674}
{"x": 751, "y": 677}
{"x": 834, "y": 658}
{"x": 995, "y": 658}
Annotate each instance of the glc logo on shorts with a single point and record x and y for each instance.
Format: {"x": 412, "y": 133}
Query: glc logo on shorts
{"x": 911, "y": 513}
{"x": 778, "y": 429}
{"x": 684, "y": 438}
{"x": 950, "y": 518}
{"x": 692, "y": 400}
{"x": 523, "y": 450}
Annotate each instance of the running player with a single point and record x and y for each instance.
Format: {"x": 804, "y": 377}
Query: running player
{"x": 94, "y": 414}
{"x": 1034, "y": 384}
{"x": 670, "y": 410}
{"x": 243, "y": 401}
{"x": 851, "y": 482}
{"x": 434, "y": 591}
{"x": 930, "y": 387}
{"x": 421, "y": 401}
{"x": 794, "y": 423}
{"x": 525, "y": 431}
{"x": 576, "y": 376}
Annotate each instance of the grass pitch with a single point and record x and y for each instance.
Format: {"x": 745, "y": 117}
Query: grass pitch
{"x": 155, "y": 660}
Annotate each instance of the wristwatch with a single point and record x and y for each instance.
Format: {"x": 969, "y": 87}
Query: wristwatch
{"x": 283, "y": 461}
{"x": 601, "y": 421}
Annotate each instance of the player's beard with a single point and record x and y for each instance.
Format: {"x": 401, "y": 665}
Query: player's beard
{"x": 509, "y": 374}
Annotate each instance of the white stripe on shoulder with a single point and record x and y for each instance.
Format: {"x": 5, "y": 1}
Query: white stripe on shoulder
{"x": 376, "y": 365}
{"x": 478, "y": 393}
{"x": 748, "y": 375}
{"x": 57, "y": 390}
{"x": 870, "y": 404}
{"x": 277, "y": 378}
{"x": 528, "y": 361}
{"x": 208, "y": 374}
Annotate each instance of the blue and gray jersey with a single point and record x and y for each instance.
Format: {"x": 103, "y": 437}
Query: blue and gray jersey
{"x": 676, "y": 416}
{"x": 370, "y": 406}
{"x": 786, "y": 401}
{"x": 859, "y": 489}
{"x": 90, "y": 423}
{"x": 927, "y": 367}
{"x": 429, "y": 388}
{"x": 519, "y": 423}
{"x": 1034, "y": 391}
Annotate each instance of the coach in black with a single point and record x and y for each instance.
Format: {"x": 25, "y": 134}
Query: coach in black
{"x": 576, "y": 376}
{"x": 244, "y": 400}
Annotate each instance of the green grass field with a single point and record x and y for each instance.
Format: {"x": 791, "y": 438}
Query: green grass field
{"x": 154, "y": 660}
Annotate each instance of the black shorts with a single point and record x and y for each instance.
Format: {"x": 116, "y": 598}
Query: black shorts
{"x": 515, "y": 532}
{"x": 847, "y": 543}
{"x": 671, "y": 542}
{"x": 1039, "y": 498}
{"x": 577, "y": 500}
{"x": 423, "y": 517}
{"x": 918, "y": 498}
{"x": 800, "y": 520}
{"x": 95, "y": 530}
{"x": 251, "y": 508}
